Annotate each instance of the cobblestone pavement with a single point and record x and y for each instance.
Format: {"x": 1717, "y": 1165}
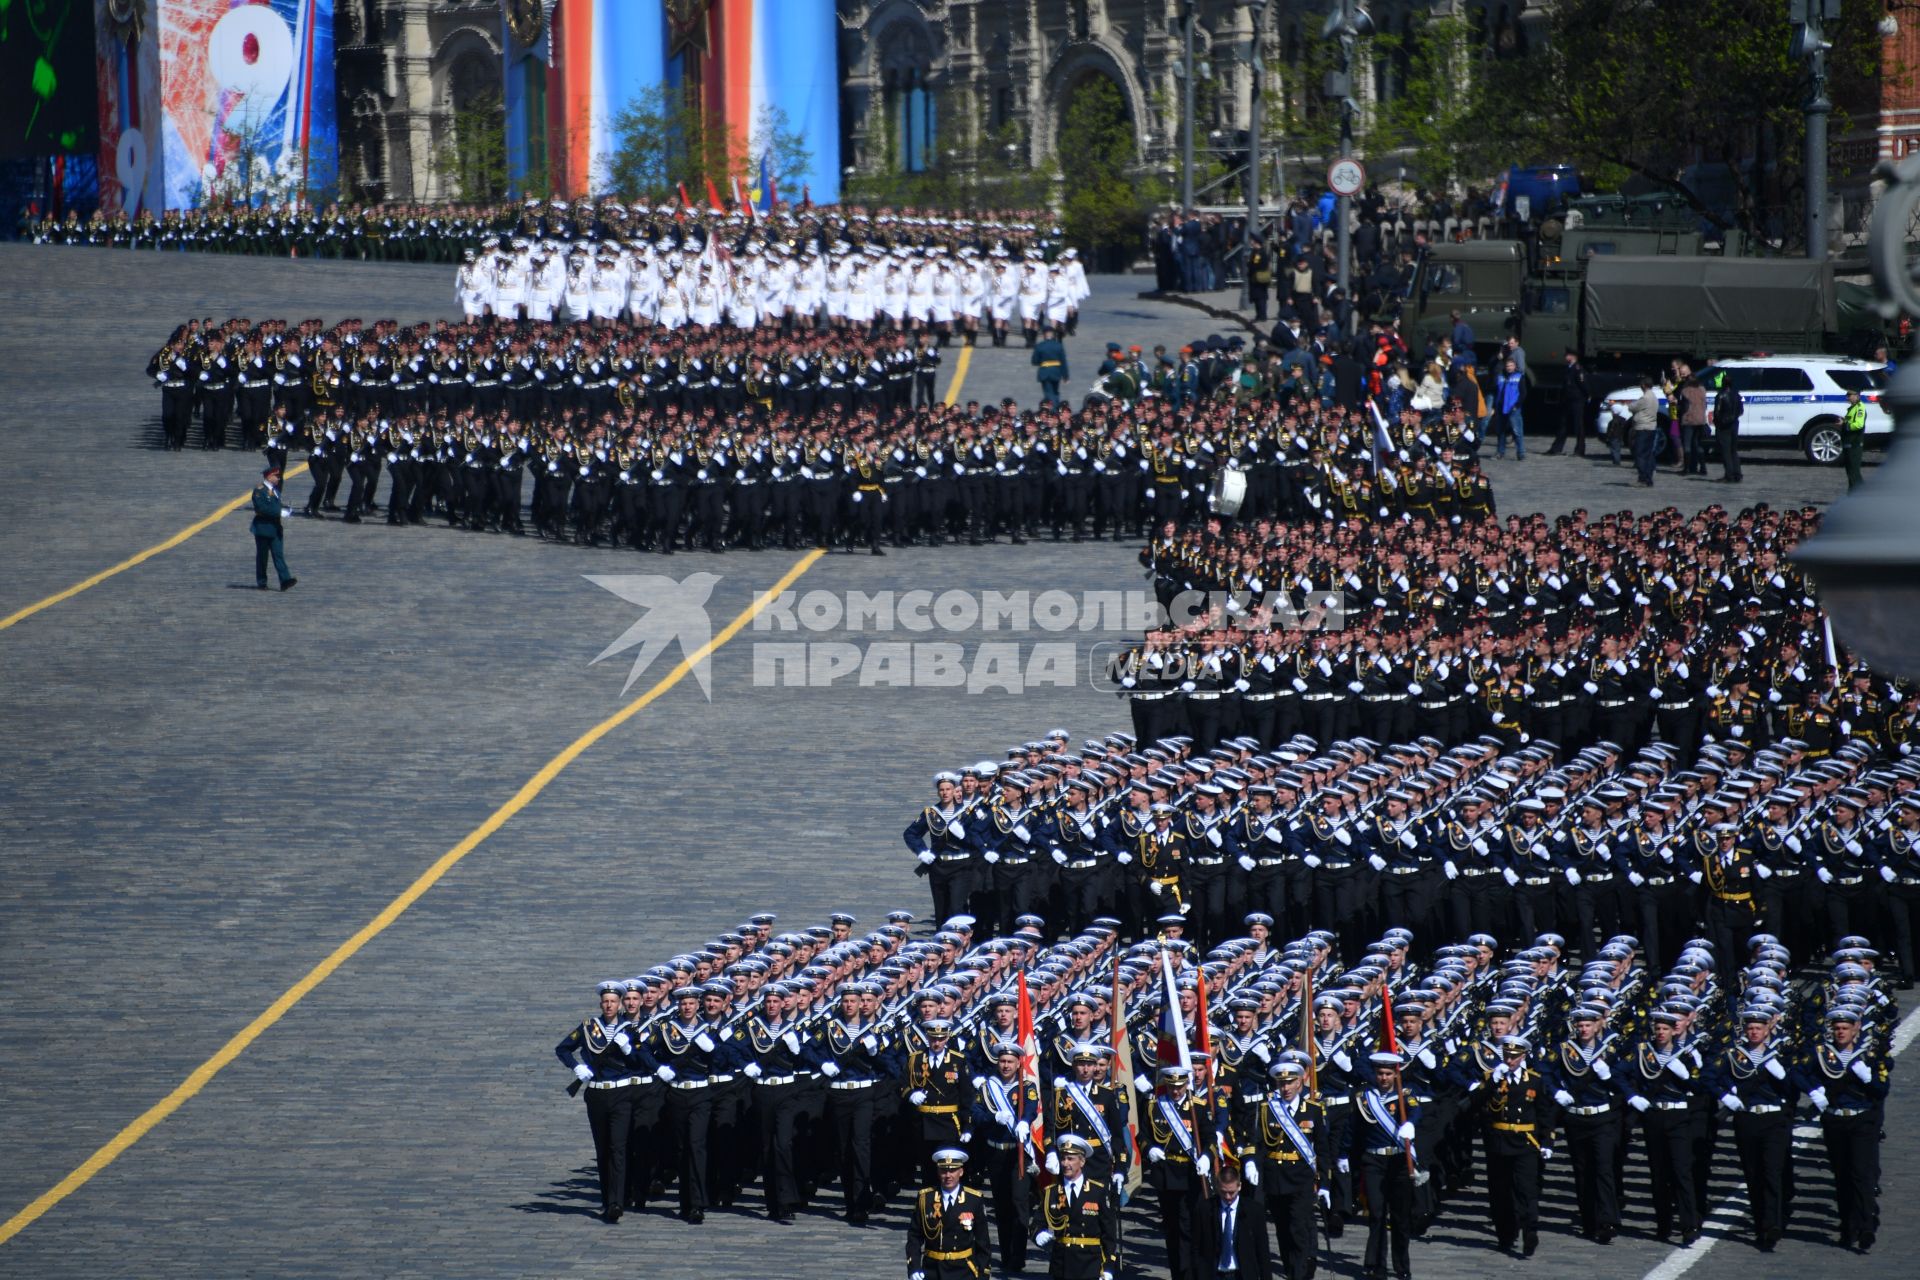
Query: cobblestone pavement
{"x": 207, "y": 789}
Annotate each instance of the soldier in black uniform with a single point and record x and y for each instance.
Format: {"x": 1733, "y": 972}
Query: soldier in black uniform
{"x": 1753, "y": 1079}
{"x": 688, "y": 1056}
{"x": 1079, "y": 1217}
{"x": 776, "y": 1059}
{"x": 602, "y": 1056}
{"x": 947, "y": 1231}
{"x": 1518, "y": 1112}
{"x": 1581, "y": 1076}
{"x": 852, "y": 1052}
{"x": 938, "y": 1093}
{"x": 1294, "y": 1159}
{"x": 1662, "y": 1081}
{"x": 1844, "y": 1075}
{"x": 1005, "y": 1109}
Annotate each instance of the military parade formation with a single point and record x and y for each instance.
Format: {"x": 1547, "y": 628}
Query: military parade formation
{"x": 643, "y": 437}
{"x": 1011, "y": 1085}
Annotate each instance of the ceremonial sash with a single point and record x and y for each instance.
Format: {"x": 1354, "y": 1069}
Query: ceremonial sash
{"x": 1084, "y": 1105}
{"x": 1189, "y": 1142}
{"x": 1283, "y": 1116}
{"x": 1376, "y": 1109}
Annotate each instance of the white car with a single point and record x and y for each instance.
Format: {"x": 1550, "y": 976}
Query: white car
{"x": 1796, "y": 401}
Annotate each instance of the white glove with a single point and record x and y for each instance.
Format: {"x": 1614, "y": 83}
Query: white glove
{"x": 1731, "y": 1101}
{"x": 1453, "y": 872}
{"x": 959, "y": 832}
{"x": 926, "y": 858}
{"x": 1886, "y": 873}
{"x": 1251, "y": 1172}
{"x": 870, "y": 1043}
{"x": 1343, "y": 836}
{"x": 1058, "y": 857}
{"x": 705, "y": 1041}
{"x": 1405, "y": 1131}
{"x": 1143, "y": 1083}
{"x": 1044, "y": 1236}
{"x": 1678, "y": 1065}
{"x": 1763, "y": 871}
{"x": 1022, "y": 832}
{"x": 1500, "y": 1072}
{"x": 1862, "y": 1070}
{"x": 583, "y": 1071}
{"x": 1818, "y": 1097}
{"x": 1775, "y": 1070}
{"x": 1638, "y": 1103}
{"x": 751, "y": 1071}
{"x": 1480, "y": 846}
{"x": 622, "y": 1043}
{"x": 1213, "y": 838}
{"x": 1203, "y": 1166}
{"x": 916, "y": 1275}
{"x": 1826, "y": 876}
{"x": 1246, "y": 864}
{"x": 1053, "y": 1162}
{"x": 1511, "y": 876}
{"x": 1311, "y": 860}
{"x": 1427, "y": 1059}
{"x": 1124, "y": 859}
{"x": 1326, "y": 1196}
{"x": 1342, "y": 1165}
{"x": 1655, "y": 691}
{"x": 990, "y": 857}
{"x": 1342, "y": 1060}
{"x": 829, "y": 1069}
{"x": 1853, "y": 847}
{"x": 1156, "y": 888}
{"x": 966, "y": 1136}
{"x": 1023, "y": 1131}
{"x": 1602, "y": 1069}
{"x": 917, "y": 1097}
{"x": 1573, "y": 877}
{"x": 1636, "y": 879}
{"x": 1694, "y": 876}
{"x": 1155, "y": 1155}
{"x": 1377, "y": 862}
{"x": 1590, "y": 686}
{"x": 666, "y": 1073}
{"x": 1562, "y": 1097}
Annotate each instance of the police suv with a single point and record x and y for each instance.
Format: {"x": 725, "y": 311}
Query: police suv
{"x": 1796, "y": 401}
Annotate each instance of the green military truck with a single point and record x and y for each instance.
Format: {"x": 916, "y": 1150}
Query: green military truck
{"x": 1630, "y": 285}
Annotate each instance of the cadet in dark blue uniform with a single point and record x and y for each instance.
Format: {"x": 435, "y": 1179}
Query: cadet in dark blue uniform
{"x": 601, "y": 1055}
{"x": 1662, "y": 1081}
{"x": 688, "y": 1055}
{"x": 1581, "y": 1075}
{"x": 850, "y": 1051}
{"x": 775, "y": 1060}
{"x": 1383, "y": 1145}
{"x": 1753, "y": 1080}
{"x": 1845, "y": 1077}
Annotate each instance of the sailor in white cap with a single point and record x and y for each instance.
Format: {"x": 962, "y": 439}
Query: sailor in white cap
{"x": 600, "y": 1053}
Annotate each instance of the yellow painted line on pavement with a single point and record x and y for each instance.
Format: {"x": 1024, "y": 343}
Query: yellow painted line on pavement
{"x": 197, "y": 526}
{"x": 960, "y": 368}
{"x": 203, "y": 1074}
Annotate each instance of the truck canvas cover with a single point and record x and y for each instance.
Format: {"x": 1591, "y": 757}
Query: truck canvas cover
{"x": 1706, "y": 306}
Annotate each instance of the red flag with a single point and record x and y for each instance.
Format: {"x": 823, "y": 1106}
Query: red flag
{"x": 685, "y": 201}
{"x": 713, "y": 198}
{"x": 1306, "y": 1029}
{"x": 1386, "y": 1016}
{"x": 773, "y": 193}
{"x": 806, "y": 197}
{"x": 1030, "y": 1062}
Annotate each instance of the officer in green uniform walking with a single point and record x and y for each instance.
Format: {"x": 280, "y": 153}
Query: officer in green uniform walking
{"x": 1050, "y": 366}
{"x": 1854, "y": 437}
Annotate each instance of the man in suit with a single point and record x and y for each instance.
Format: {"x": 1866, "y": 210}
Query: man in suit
{"x": 1236, "y": 1246}
{"x": 1079, "y": 1218}
{"x": 268, "y": 531}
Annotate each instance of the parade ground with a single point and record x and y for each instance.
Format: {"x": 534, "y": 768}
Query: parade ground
{"x": 300, "y": 889}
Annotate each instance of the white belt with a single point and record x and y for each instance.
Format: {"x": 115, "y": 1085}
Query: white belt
{"x": 1206, "y": 862}
{"x": 1602, "y": 1109}
{"x": 1673, "y": 1106}
{"x": 613, "y": 1084}
{"x": 1764, "y": 1108}
{"x": 689, "y": 1084}
{"x": 1081, "y": 864}
{"x": 954, "y": 857}
{"x": 1269, "y": 862}
{"x": 776, "y": 1080}
{"x": 852, "y": 1084}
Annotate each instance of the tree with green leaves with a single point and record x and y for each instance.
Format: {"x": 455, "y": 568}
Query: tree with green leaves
{"x": 1647, "y": 89}
{"x": 1106, "y": 196}
{"x": 472, "y": 157}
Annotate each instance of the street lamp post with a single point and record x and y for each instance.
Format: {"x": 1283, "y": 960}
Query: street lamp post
{"x": 1186, "y": 129}
{"x": 1348, "y": 22}
{"x": 1810, "y": 19}
{"x": 1257, "y": 108}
